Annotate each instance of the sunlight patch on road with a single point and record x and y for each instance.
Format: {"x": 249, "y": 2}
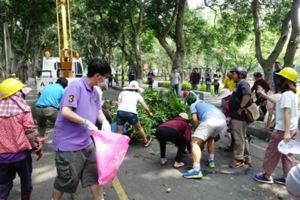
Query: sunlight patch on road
{"x": 166, "y": 173}
{"x": 41, "y": 174}
{"x": 279, "y": 191}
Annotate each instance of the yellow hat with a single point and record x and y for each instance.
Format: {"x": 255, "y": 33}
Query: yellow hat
{"x": 289, "y": 73}
{"x": 9, "y": 87}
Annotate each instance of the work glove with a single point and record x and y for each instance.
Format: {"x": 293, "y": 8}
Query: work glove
{"x": 90, "y": 125}
{"x": 106, "y": 126}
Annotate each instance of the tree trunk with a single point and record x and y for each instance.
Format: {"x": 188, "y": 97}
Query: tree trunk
{"x": 268, "y": 71}
{"x": 178, "y": 60}
{"x": 177, "y": 56}
{"x": 137, "y": 56}
{"x": 7, "y": 49}
{"x": 267, "y": 64}
{"x": 295, "y": 35}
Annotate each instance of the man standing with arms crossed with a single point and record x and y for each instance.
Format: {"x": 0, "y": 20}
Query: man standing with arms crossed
{"x": 75, "y": 157}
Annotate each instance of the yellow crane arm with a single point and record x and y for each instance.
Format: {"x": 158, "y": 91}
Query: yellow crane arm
{"x": 64, "y": 37}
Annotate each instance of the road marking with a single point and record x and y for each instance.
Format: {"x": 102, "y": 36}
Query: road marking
{"x": 119, "y": 189}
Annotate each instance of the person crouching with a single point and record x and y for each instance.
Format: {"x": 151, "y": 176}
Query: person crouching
{"x": 178, "y": 132}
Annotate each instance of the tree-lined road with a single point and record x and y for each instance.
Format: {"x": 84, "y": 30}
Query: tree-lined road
{"x": 142, "y": 178}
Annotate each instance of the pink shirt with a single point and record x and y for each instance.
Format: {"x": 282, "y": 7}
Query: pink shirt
{"x": 12, "y": 133}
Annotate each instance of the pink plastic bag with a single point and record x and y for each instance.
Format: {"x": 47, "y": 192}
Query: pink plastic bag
{"x": 111, "y": 149}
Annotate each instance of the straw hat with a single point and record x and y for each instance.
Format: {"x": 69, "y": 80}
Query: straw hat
{"x": 184, "y": 116}
{"x": 134, "y": 85}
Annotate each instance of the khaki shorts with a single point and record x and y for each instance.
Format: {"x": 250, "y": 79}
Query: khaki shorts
{"x": 75, "y": 166}
{"x": 209, "y": 128}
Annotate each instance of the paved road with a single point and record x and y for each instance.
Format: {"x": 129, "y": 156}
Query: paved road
{"x": 142, "y": 178}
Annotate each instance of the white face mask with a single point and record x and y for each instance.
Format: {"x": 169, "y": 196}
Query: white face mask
{"x": 103, "y": 83}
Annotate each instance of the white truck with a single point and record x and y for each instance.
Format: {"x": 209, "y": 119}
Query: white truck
{"x": 51, "y": 71}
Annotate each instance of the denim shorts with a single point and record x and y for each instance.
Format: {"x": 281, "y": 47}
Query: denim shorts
{"x": 123, "y": 117}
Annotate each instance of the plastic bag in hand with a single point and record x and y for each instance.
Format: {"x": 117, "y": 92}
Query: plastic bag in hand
{"x": 110, "y": 153}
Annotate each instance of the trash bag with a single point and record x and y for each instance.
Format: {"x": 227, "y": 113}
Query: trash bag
{"x": 110, "y": 153}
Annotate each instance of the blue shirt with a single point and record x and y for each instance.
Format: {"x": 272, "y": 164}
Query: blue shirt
{"x": 206, "y": 111}
{"x": 51, "y": 96}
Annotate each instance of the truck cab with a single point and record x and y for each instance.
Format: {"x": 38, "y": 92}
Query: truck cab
{"x": 51, "y": 71}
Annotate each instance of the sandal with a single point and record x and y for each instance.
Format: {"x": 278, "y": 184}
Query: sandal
{"x": 163, "y": 161}
{"x": 178, "y": 165}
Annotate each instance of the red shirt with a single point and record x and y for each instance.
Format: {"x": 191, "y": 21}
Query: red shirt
{"x": 180, "y": 125}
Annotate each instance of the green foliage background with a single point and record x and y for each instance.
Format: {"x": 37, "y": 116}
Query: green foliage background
{"x": 163, "y": 105}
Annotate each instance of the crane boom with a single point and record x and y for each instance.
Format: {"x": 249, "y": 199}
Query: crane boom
{"x": 67, "y": 64}
{"x": 64, "y": 37}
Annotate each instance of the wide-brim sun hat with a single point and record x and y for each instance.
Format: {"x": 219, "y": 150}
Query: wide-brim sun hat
{"x": 10, "y": 86}
{"x": 289, "y": 73}
{"x": 184, "y": 116}
{"x": 134, "y": 85}
{"x": 225, "y": 93}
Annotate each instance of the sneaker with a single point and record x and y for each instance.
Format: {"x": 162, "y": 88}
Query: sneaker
{"x": 147, "y": 142}
{"x": 237, "y": 164}
{"x": 280, "y": 181}
{"x": 263, "y": 179}
{"x": 193, "y": 174}
{"x": 211, "y": 163}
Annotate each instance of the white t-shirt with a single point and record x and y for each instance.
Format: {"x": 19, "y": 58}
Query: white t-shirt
{"x": 128, "y": 101}
{"x": 288, "y": 100}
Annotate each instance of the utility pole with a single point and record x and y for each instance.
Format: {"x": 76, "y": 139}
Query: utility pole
{"x": 122, "y": 73}
{"x": 5, "y": 48}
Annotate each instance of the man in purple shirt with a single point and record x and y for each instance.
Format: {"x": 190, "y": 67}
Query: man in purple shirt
{"x": 75, "y": 157}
